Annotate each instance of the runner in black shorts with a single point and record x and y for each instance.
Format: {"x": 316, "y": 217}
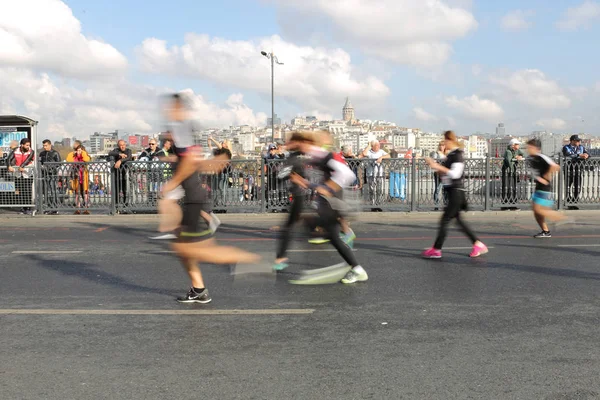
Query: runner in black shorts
{"x": 195, "y": 242}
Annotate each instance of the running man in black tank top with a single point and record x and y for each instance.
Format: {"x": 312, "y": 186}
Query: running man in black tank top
{"x": 452, "y": 172}
{"x": 543, "y": 168}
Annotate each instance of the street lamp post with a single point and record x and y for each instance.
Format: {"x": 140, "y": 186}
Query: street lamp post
{"x": 274, "y": 60}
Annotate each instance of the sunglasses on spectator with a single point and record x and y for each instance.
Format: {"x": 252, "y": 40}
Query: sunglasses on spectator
{"x": 152, "y": 144}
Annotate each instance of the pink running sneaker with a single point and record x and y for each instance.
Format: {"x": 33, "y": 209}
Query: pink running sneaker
{"x": 479, "y": 250}
{"x": 432, "y": 253}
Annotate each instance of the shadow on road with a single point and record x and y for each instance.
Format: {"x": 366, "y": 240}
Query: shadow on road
{"x": 90, "y": 272}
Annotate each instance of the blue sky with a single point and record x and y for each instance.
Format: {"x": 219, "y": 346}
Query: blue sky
{"x": 462, "y": 64}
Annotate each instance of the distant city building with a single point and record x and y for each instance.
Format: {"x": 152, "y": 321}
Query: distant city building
{"x": 108, "y": 145}
{"x": 298, "y": 121}
{"x": 277, "y": 121}
{"x": 247, "y": 141}
{"x": 500, "y": 130}
{"x": 476, "y": 146}
{"x": 311, "y": 118}
{"x": 348, "y": 111}
{"x": 66, "y": 142}
{"x": 97, "y": 142}
{"x": 499, "y": 145}
{"x": 427, "y": 142}
{"x": 552, "y": 143}
{"x": 404, "y": 140}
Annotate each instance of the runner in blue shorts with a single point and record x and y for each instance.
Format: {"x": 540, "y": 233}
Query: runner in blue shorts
{"x": 543, "y": 168}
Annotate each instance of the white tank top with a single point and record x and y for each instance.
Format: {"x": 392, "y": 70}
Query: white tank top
{"x": 182, "y": 132}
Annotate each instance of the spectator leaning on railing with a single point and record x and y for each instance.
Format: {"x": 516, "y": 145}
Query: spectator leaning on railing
{"x": 575, "y": 155}
{"x": 120, "y": 156}
{"x": 512, "y": 156}
{"x": 18, "y": 160}
{"x": 49, "y": 173}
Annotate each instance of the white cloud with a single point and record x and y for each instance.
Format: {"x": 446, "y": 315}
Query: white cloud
{"x": 581, "y": 16}
{"x": 236, "y": 113}
{"x": 475, "y": 107}
{"x": 516, "y": 20}
{"x": 408, "y": 32}
{"x": 552, "y": 123}
{"x": 476, "y": 70}
{"x": 423, "y": 115}
{"x": 311, "y": 77}
{"x": 44, "y": 35}
{"x": 597, "y": 87}
{"x": 65, "y": 110}
{"x": 532, "y": 87}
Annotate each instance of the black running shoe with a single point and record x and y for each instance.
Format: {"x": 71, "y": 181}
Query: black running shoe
{"x": 193, "y": 297}
{"x": 543, "y": 235}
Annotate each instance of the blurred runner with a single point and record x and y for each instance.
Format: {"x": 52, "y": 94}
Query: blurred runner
{"x": 329, "y": 206}
{"x": 195, "y": 242}
{"x": 543, "y": 169}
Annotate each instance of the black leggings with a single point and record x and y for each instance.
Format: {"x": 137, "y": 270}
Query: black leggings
{"x": 457, "y": 202}
{"x": 286, "y": 231}
{"x": 327, "y": 218}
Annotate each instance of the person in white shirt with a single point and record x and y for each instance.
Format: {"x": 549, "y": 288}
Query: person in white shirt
{"x": 375, "y": 170}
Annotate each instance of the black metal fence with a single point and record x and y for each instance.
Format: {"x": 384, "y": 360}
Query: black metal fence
{"x": 254, "y": 186}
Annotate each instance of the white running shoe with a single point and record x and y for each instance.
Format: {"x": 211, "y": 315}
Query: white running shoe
{"x": 356, "y": 274}
{"x": 214, "y": 223}
{"x": 164, "y": 236}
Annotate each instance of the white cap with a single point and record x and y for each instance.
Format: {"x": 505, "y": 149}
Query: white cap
{"x": 513, "y": 142}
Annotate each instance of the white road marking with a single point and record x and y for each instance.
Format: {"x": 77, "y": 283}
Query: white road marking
{"x": 267, "y": 311}
{"x": 577, "y": 245}
{"x": 47, "y": 252}
{"x": 313, "y": 250}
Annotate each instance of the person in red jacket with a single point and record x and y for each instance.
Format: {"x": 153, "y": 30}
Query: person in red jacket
{"x": 18, "y": 160}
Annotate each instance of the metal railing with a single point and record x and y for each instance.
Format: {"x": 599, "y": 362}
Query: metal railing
{"x": 254, "y": 186}
{"x": 17, "y": 187}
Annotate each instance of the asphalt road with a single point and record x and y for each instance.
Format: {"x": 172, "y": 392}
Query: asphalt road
{"x": 519, "y": 323}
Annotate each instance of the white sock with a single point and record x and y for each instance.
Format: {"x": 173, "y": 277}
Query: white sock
{"x": 358, "y": 269}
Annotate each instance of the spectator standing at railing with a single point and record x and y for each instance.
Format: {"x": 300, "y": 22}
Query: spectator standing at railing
{"x": 375, "y": 174}
{"x": 575, "y": 155}
{"x": 222, "y": 178}
{"x": 272, "y": 168}
{"x": 19, "y": 160}
{"x": 80, "y": 179}
{"x": 154, "y": 170}
{"x": 120, "y": 156}
{"x": 512, "y": 157}
{"x": 49, "y": 173}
